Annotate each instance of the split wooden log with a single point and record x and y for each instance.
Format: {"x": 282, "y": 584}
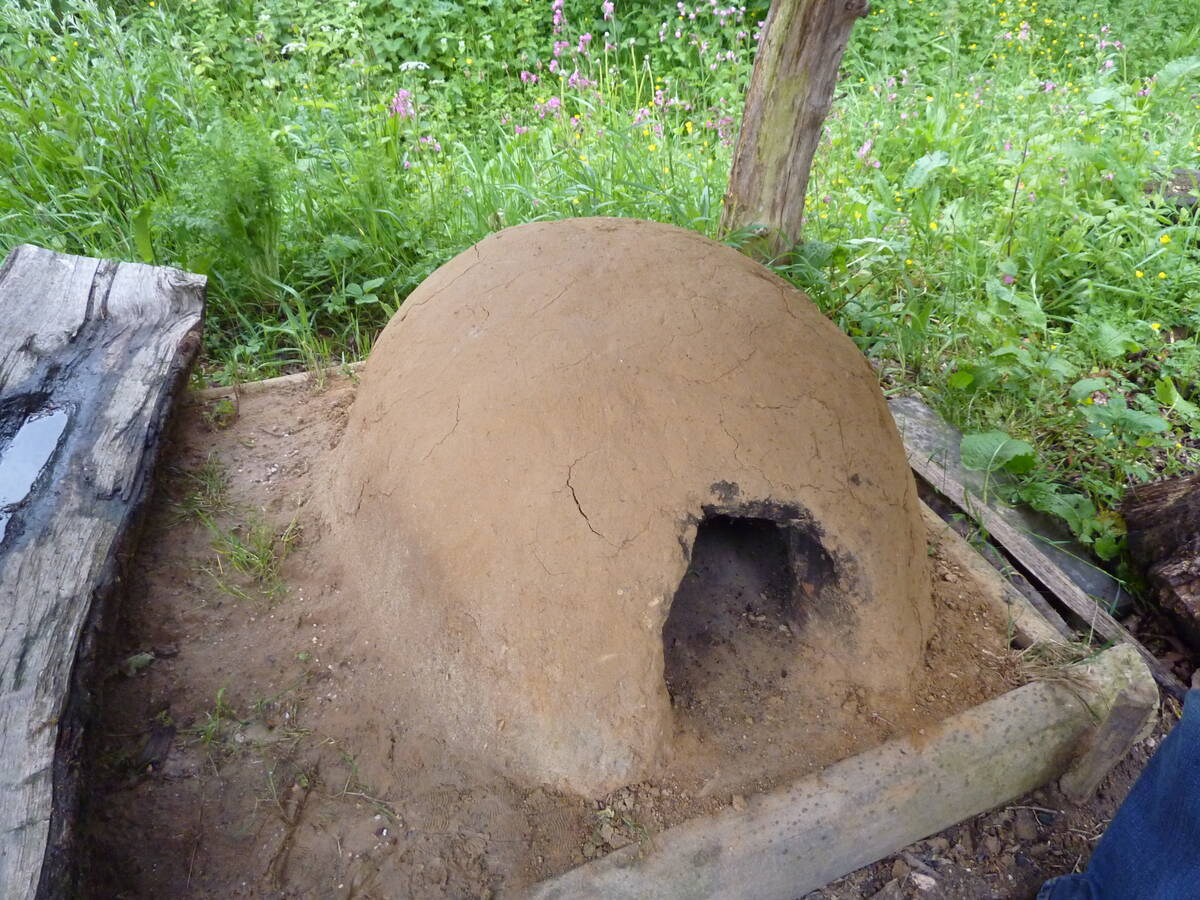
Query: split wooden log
{"x": 92, "y": 353}
{"x": 1163, "y": 522}
{"x": 791, "y": 89}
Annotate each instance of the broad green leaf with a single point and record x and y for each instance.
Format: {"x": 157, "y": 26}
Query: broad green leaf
{"x": 993, "y": 450}
{"x": 1140, "y": 422}
{"x": 924, "y": 167}
{"x": 1113, "y": 344}
{"x": 1087, "y": 386}
{"x": 1177, "y": 70}
{"x": 960, "y": 379}
{"x": 1168, "y": 395}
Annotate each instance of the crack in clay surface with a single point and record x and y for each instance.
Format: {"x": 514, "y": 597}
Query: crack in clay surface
{"x": 679, "y": 364}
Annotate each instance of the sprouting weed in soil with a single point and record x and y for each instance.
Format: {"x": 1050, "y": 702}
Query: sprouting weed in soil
{"x": 211, "y": 729}
{"x": 207, "y": 491}
{"x": 254, "y": 551}
{"x": 220, "y": 413}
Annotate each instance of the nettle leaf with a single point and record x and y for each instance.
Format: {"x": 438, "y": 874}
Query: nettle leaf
{"x": 923, "y": 168}
{"x": 1177, "y": 70}
{"x": 994, "y": 450}
{"x": 1085, "y": 387}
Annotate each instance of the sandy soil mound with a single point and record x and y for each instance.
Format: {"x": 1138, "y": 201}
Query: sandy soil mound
{"x": 540, "y": 435}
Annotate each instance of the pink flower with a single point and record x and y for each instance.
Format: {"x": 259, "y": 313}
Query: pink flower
{"x": 401, "y": 106}
{"x": 519, "y": 130}
{"x": 528, "y": 78}
{"x": 865, "y": 150}
{"x": 607, "y": 8}
{"x": 1008, "y": 279}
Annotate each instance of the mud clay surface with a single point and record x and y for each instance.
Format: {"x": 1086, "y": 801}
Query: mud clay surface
{"x": 540, "y": 433}
{"x": 234, "y": 756}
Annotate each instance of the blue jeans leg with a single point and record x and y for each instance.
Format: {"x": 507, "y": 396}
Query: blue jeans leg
{"x": 1151, "y": 850}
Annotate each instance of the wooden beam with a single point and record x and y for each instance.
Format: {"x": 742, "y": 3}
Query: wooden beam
{"x": 799, "y": 837}
{"x": 1062, "y": 587}
{"x": 791, "y": 89}
{"x": 92, "y": 352}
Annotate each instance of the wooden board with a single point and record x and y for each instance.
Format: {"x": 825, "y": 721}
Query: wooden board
{"x": 92, "y": 353}
{"x": 1095, "y": 619}
{"x": 925, "y": 433}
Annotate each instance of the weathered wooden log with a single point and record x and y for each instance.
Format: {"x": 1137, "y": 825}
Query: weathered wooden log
{"x": 1163, "y": 522}
{"x": 92, "y": 353}
{"x": 791, "y": 89}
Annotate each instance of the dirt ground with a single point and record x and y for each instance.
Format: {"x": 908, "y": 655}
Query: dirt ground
{"x": 226, "y": 758}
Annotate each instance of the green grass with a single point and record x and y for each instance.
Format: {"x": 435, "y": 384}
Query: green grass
{"x": 977, "y": 219}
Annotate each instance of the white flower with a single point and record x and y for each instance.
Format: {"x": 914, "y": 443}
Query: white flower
{"x": 413, "y": 64}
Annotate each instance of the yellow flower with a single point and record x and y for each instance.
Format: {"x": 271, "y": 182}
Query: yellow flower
{"x": 652, "y": 147}
{"x": 666, "y": 170}
{"x": 908, "y": 262}
{"x": 645, "y": 132}
{"x": 1155, "y": 325}
{"x": 933, "y": 226}
{"x": 1139, "y": 273}
{"x": 469, "y": 61}
{"x": 1162, "y": 274}
{"x": 688, "y": 126}
{"x": 1165, "y": 239}
{"x": 574, "y": 199}
{"x": 54, "y": 59}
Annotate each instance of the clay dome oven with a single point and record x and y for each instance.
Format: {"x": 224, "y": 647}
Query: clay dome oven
{"x": 540, "y": 435}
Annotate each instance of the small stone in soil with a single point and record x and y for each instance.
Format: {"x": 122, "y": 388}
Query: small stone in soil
{"x": 924, "y": 882}
{"x": 1026, "y": 826}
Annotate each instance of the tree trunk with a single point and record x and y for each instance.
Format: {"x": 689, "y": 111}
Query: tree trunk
{"x": 1163, "y": 520}
{"x": 790, "y": 92}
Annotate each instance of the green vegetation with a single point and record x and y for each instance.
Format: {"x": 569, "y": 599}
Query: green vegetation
{"x": 978, "y": 219}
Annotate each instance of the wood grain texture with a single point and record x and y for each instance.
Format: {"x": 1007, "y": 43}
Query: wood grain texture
{"x": 1093, "y": 616}
{"x": 104, "y": 347}
{"x": 925, "y": 432}
{"x": 791, "y": 89}
{"x": 1163, "y": 521}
